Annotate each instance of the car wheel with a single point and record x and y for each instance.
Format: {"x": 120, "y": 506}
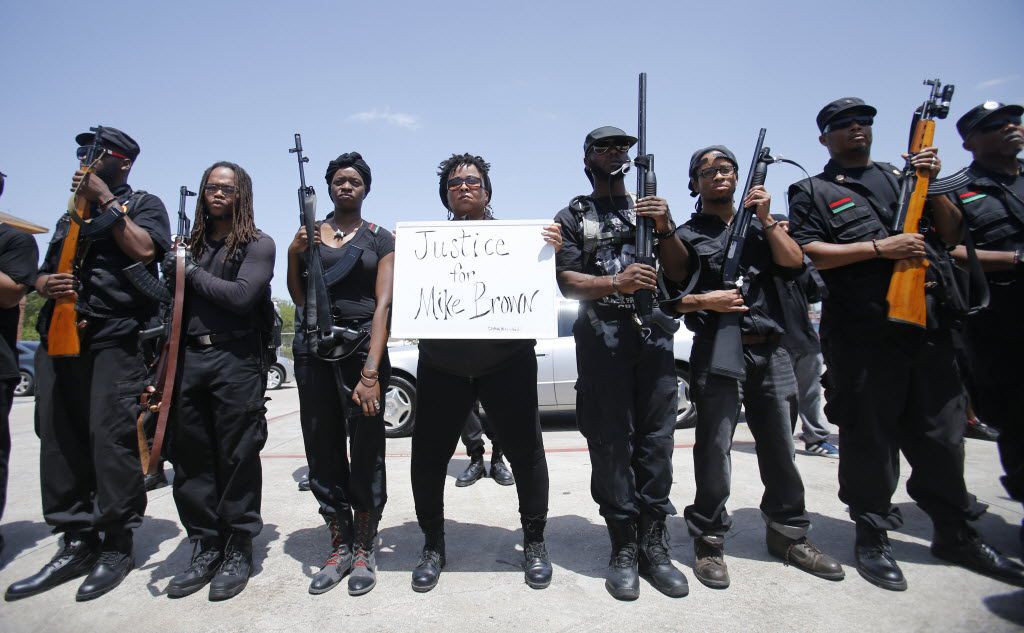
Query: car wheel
{"x": 686, "y": 413}
{"x": 26, "y": 386}
{"x": 399, "y": 407}
{"x": 275, "y": 376}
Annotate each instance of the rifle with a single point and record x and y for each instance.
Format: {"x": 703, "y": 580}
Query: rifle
{"x": 156, "y": 398}
{"x": 906, "y": 287}
{"x": 646, "y": 185}
{"x": 62, "y": 338}
{"x": 727, "y": 347}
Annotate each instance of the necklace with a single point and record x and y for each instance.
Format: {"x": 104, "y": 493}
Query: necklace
{"x": 339, "y": 233}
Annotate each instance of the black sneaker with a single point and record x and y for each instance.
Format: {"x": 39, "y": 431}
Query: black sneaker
{"x": 234, "y": 572}
{"x": 206, "y": 560}
{"x": 978, "y": 430}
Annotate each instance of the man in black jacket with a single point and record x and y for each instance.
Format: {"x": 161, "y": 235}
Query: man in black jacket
{"x": 221, "y": 424}
{"x": 86, "y": 405}
{"x": 891, "y": 387}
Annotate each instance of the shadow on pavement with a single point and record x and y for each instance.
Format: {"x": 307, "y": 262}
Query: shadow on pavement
{"x": 309, "y": 546}
{"x": 1008, "y": 606}
{"x": 150, "y": 535}
{"x": 261, "y": 545}
{"x": 21, "y": 536}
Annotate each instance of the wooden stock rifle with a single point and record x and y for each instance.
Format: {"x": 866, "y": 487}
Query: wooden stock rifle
{"x": 906, "y": 295}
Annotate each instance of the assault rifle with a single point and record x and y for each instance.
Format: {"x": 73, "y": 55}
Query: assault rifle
{"x": 906, "y": 287}
{"x": 646, "y": 185}
{"x": 156, "y": 398}
{"x": 62, "y": 338}
{"x": 727, "y": 348}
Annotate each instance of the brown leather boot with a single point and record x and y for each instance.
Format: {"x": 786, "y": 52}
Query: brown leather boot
{"x": 709, "y": 565}
{"x": 802, "y": 554}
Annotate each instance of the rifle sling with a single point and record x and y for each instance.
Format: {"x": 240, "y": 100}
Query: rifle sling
{"x": 342, "y": 268}
{"x": 171, "y": 349}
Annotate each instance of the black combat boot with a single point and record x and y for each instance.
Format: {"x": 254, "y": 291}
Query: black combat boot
{"x": 207, "y": 555}
{"x": 537, "y": 565}
{"x": 76, "y": 558}
{"x": 654, "y": 562}
{"x": 499, "y": 471}
{"x": 364, "y": 563}
{"x": 622, "y": 580}
{"x": 339, "y": 561}
{"x": 113, "y": 565}
{"x": 962, "y": 546}
{"x": 473, "y": 472}
{"x": 428, "y": 569}
{"x": 234, "y": 572}
{"x": 875, "y": 562}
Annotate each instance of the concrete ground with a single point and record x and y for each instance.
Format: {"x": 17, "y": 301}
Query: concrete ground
{"x": 482, "y": 588}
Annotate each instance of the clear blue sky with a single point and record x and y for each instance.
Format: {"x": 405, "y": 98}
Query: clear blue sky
{"x": 521, "y": 83}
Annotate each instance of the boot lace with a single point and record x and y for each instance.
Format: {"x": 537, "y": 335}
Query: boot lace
{"x": 429, "y": 557}
{"x": 656, "y": 546}
{"x": 536, "y": 549}
{"x": 202, "y": 558}
{"x": 336, "y": 554}
{"x": 625, "y": 556}
{"x": 233, "y": 559}
{"x": 111, "y": 557}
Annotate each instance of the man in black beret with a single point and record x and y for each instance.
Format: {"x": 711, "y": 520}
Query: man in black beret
{"x": 890, "y": 386}
{"x": 86, "y": 404}
{"x": 626, "y": 400}
{"x": 992, "y": 203}
{"x": 768, "y": 392}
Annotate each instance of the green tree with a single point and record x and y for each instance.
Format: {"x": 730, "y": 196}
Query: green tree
{"x": 33, "y": 304}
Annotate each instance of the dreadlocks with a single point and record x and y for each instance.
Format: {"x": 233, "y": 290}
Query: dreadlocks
{"x": 243, "y": 227}
{"x": 453, "y": 162}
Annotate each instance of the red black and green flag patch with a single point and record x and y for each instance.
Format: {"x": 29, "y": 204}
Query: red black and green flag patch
{"x": 841, "y": 205}
{"x": 972, "y": 196}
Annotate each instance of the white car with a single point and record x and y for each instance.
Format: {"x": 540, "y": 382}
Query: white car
{"x": 556, "y": 376}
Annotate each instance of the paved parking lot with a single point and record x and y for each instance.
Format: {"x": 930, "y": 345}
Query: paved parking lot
{"x": 482, "y": 587}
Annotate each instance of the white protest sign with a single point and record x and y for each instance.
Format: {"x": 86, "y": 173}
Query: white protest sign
{"x": 481, "y": 279}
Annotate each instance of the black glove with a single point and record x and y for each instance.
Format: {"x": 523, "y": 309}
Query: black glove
{"x": 190, "y": 264}
{"x": 167, "y": 266}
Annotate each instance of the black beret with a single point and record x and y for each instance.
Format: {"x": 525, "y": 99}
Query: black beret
{"x": 846, "y": 105}
{"x": 699, "y": 154}
{"x": 112, "y": 139}
{"x": 976, "y": 115}
{"x": 353, "y": 160}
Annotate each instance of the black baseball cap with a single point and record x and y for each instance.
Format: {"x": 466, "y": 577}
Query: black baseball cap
{"x": 978, "y": 114}
{"x": 844, "y": 106}
{"x": 699, "y": 154}
{"x": 605, "y": 133}
{"x": 112, "y": 139}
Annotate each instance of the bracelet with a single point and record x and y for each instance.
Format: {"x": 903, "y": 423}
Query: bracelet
{"x": 369, "y": 374}
{"x": 371, "y": 383}
{"x": 615, "y": 282}
{"x": 878, "y": 252}
{"x": 664, "y": 235}
{"x": 768, "y": 227}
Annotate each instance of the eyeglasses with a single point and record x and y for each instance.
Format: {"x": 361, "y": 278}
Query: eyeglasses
{"x": 83, "y": 152}
{"x": 844, "y": 122}
{"x": 725, "y": 170}
{"x": 601, "y": 148}
{"x": 229, "y": 190}
{"x": 992, "y": 126}
{"x": 471, "y": 182}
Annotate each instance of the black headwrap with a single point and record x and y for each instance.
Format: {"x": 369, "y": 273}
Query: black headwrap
{"x": 353, "y": 160}
{"x": 699, "y": 154}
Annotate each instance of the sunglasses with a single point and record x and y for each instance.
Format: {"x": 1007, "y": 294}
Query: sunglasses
{"x": 229, "y": 190}
{"x": 725, "y": 170}
{"x": 620, "y": 148}
{"x": 471, "y": 182}
{"x": 998, "y": 124}
{"x": 846, "y": 121}
{"x": 83, "y": 152}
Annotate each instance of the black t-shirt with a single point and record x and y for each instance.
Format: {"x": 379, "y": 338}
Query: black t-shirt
{"x": 223, "y": 291}
{"x": 355, "y": 296}
{"x": 106, "y": 300}
{"x": 18, "y": 257}
{"x": 709, "y": 234}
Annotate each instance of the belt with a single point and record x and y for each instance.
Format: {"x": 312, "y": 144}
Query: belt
{"x": 760, "y": 339}
{"x": 213, "y": 338}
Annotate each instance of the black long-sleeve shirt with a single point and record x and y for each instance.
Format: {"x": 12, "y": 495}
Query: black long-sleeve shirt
{"x": 221, "y": 295}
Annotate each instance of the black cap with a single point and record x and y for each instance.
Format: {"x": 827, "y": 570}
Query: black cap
{"x": 846, "y": 105}
{"x": 113, "y": 139}
{"x": 699, "y": 154}
{"x": 604, "y": 133}
{"x": 976, "y": 115}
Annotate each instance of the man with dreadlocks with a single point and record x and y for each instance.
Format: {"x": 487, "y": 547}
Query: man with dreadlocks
{"x": 626, "y": 392}
{"x": 86, "y": 404}
{"x": 221, "y": 424}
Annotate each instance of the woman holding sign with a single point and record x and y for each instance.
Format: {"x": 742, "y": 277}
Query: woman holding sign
{"x": 451, "y": 376}
{"x": 341, "y": 401}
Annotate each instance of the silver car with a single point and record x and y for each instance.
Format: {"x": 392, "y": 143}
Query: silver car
{"x": 556, "y": 376}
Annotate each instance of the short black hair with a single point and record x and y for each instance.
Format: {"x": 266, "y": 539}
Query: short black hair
{"x": 2, "y": 176}
{"x": 453, "y": 162}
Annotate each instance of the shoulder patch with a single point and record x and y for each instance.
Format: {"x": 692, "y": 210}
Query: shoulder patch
{"x": 842, "y": 204}
{"x": 372, "y": 227}
{"x": 972, "y": 196}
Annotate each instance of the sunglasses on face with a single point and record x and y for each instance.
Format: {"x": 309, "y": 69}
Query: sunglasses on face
{"x": 229, "y": 190}
{"x": 83, "y": 152}
{"x": 471, "y": 182}
{"x": 725, "y": 170}
{"x": 620, "y": 148}
{"x": 846, "y": 121}
{"x": 998, "y": 124}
